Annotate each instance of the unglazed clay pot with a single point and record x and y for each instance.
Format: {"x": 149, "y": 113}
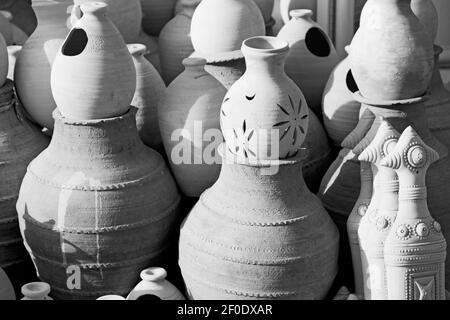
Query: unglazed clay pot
{"x": 427, "y": 14}
{"x": 13, "y": 54}
{"x": 154, "y": 286}
{"x": 84, "y": 77}
{"x": 126, "y": 16}
{"x": 415, "y": 248}
{"x": 175, "y": 41}
{"x": 4, "y": 64}
{"x": 188, "y": 112}
{"x": 149, "y": 90}
{"x": 392, "y": 53}
{"x": 36, "y": 291}
{"x": 156, "y": 13}
{"x": 20, "y": 142}
{"x": 99, "y": 196}
{"x": 340, "y": 111}
{"x": 287, "y": 5}
{"x": 6, "y": 288}
{"x": 258, "y": 234}
{"x": 152, "y": 55}
{"x": 312, "y": 56}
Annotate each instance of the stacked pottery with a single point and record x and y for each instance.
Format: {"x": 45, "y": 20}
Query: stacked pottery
{"x": 340, "y": 111}
{"x": 36, "y": 291}
{"x": 175, "y": 41}
{"x": 149, "y": 90}
{"x": 6, "y": 288}
{"x": 96, "y": 206}
{"x": 189, "y": 117}
{"x": 257, "y": 233}
{"x": 154, "y": 286}
{"x": 287, "y": 5}
{"x": 156, "y": 13}
{"x": 312, "y": 56}
{"x": 266, "y": 7}
{"x": 217, "y": 31}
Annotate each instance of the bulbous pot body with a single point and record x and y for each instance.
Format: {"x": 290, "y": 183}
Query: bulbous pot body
{"x": 392, "y": 54}
{"x": 156, "y": 13}
{"x": 100, "y": 201}
{"x": 258, "y": 234}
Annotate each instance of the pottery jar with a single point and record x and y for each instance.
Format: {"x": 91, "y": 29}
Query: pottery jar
{"x": 149, "y": 90}
{"x": 84, "y": 74}
{"x": 189, "y": 109}
{"x": 4, "y": 63}
{"x": 126, "y": 16}
{"x": 392, "y": 53}
{"x": 6, "y": 288}
{"x": 154, "y": 286}
{"x": 427, "y": 14}
{"x": 152, "y": 55}
{"x": 36, "y": 291}
{"x": 156, "y": 13}
{"x": 287, "y": 5}
{"x": 340, "y": 111}
{"x": 99, "y": 203}
{"x": 175, "y": 42}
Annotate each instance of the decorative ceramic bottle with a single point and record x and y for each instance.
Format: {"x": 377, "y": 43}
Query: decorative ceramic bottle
{"x": 268, "y": 236}
{"x": 36, "y": 291}
{"x": 381, "y": 212}
{"x": 312, "y": 56}
{"x": 6, "y": 288}
{"x": 340, "y": 111}
{"x": 392, "y": 54}
{"x": 287, "y": 6}
{"x": 175, "y": 41}
{"x": 149, "y": 90}
{"x": 156, "y": 13}
{"x": 84, "y": 74}
{"x": 154, "y": 286}
{"x": 427, "y": 14}
{"x": 415, "y": 249}
{"x": 188, "y": 111}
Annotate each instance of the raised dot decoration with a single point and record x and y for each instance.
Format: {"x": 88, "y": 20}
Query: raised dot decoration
{"x": 403, "y": 232}
{"x": 437, "y": 226}
{"x": 415, "y": 157}
{"x": 362, "y": 209}
{"x": 422, "y": 230}
{"x": 388, "y": 145}
{"x": 383, "y": 223}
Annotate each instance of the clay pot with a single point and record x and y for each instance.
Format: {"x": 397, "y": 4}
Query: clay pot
{"x": 154, "y": 286}
{"x": 126, "y": 16}
{"x": 84, "y": 74}
{"x": 36, "y": 291}
{"x": 175, "y": 41}
{"x": 427, "y": 14}
{"x": 152, "y": 45}
{"x": 156, "y": 13}
{"x": 33, "y": 66}
{"x": 6, "y": 288}
{"x": 392, "y": 54}
{"x": 6, "y": 26}
{"x": 340, "y": 111}
{"x": 312, "y": 56}
{"x": 287, "y": 5}
{"x": 192, "y": 103}
{"x": 4, "y": 64}
{"x": 257, "y": 233}
{"x": 99, "y": 196}
{"x": 149, "y": 90}
{"x": 19, "y": 144}
{"x": 23, "y": 17}
{"x": 13, "y": 54}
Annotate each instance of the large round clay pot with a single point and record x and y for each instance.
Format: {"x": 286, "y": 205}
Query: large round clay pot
{"x": 392, "y": 53}
{"x": 99, "y": 200}
{"x": 287, "y": 5}
{"x": 175, "y": 41}
{"x": 257, "y": 233}
{"x": 156, "y": 13}
{"x": 4, "y": 63}
{"x": 340, "y": 110}
{"x": 427, "y": 14}
{"x": 189, "y": 110}
{"x": 126, "y": 16}
{"x": 85, "y": 75}
{"x": 33, "y": 66}
{"x": 149, "y": 89}
{"x": 312, "y": 56}
{"x": 6, "y": 288}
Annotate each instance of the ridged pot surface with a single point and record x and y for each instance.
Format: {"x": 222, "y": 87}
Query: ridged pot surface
{"x": 99, "y": 201}
{"x": 156, "y": 13}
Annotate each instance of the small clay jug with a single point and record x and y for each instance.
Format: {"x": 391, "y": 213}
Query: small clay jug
{"x": 36, "y": 291}
{"x": 188, "y": 112}
{"x": 149, "y": 89}
{"x": 6, "y": 288}
{"x": 427, "y": 14}
{"x": 391, "y": 53}
{"x": 286, "y": 6}
{"x": 154, "y": 286}
{"x": 156, "y": 13}
{"x": 312, "y": 56}
{"x": 4, "y": 63}
{"x": 84, "y": 75}
{"x": 175, "y": 41}
{"x": 340, "y": 111}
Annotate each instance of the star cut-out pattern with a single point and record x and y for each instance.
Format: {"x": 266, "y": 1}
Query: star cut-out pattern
{"x": 243, "y": 138}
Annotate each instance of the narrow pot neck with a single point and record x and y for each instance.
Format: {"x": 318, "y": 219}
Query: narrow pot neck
{"x": 266, "y": 65}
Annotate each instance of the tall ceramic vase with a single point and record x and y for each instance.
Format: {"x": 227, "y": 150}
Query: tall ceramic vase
{"x": 268, "y": 237}
{"x": 312, "y": 56}
{"x": 175, "y": 41}
{"x": 84, "y": 75}
{"x": 156, "y": 13}
{"x": 149, "y": 90}
{"x": 392, "y": 53}
{"x": 189, "y": 113}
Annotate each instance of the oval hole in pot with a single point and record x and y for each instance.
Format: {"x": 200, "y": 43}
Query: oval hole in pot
{"x": 317, "y": 43}
{"x": 351, "y": 83}
{"x": 149, "y": 297}
{"x": 76, "y": 42}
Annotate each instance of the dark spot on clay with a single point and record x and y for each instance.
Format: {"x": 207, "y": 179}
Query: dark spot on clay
{"x": 351, "y": 83}
{"x": 250, "y": 98}
{"x": 149, "y": 297}
{"x": 317, "y": 42}
{"x": 76, "y": 43}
